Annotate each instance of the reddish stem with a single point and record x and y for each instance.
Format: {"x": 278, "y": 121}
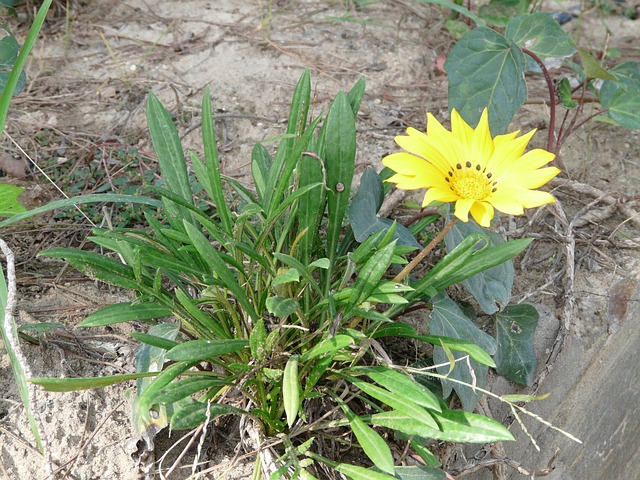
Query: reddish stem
{"x": 552, "y": 97}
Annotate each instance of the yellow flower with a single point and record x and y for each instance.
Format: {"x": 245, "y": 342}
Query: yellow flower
{"x": 469, "y": 167}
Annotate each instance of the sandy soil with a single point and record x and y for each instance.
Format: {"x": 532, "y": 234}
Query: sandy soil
{"x": 87, "y": 82}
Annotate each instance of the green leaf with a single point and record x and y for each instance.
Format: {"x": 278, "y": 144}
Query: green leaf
{"x": 125, "y": 312}
{"x": 311, "y": 206}
{"x": 515, "y": 358}
{"x": 447, "y": 319}
{"x": 97, "y": 266}
{"x": 328, "y": 345}
{"x": 425, "y": 454}
{"x": 369, "y": 277}
{"x": 565, "y": 93}
{"x": 524, "y": 398}
{"x": 591, "y": 67}
{"x": 16, "y": 71}
{"x": 473, "y": 255}
{"x": 403, "y": 385}
{"x": 73, "y": 384}
{"x": 364, "y": 209}
{"x": 492, "y": 287}
{"x": 420, "y": 473}
{"x": 81, "y": 200}
{"x": 211, "y": 180}
{"x": 402, "y": 404}
{"x": 183, "y": 388}
{"x": 401, "y": 329}
{"x": 540, "y": 34}
{"x": 291, "y": 275}
{"x": 154, "y": 340}
{"x": 9, "y": 204}
{"x": 486, "y": 70}
{"x": 625, "y": 108}
{"x": 499, "y": 12}
{"x": 291, "y": 390}
{"x": 198, "y": 350}
{"x": 340, "y": 155}
{"x": 151, "y": 359}
{"x": 195, "y": 414}
{"x": 173, "y": 167}
{"x": 374, "y": 446}
{"x": 260, "y": 165}
{"x": 360, "y": 473}
{"x": 281, "y": 306}
{"x": 627, "y": 77}
{"x": 257, "y": 341}
{"x": 453, "y": 426}
{"x": 218, "y": 265}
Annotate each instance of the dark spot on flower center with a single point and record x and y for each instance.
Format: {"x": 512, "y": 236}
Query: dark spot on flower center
{"x": 478, "y": 167}
{"x": 468, "y": 164}
{"x": 489, "y": 175}
{"x": 459, "y": 167}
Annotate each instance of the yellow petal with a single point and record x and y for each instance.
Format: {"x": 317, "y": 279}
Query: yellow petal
{"x": 533, "y": 179}
{"x": 535, "y": 158}
{"x": 462, "y": 209}
{"x": 460, "y": 128}
{"x": 418, "y": 143}
{"x": 535, "y": 198}
{"x": 507, "y": 202}
{"x": 482, "y": 212}
{"x": 481, "y": 141}
{"x": 419, "y": 173}
{"x": 445, "y": 142}
{"x": 438, "y": 195}
{"x": 507, "y": 154}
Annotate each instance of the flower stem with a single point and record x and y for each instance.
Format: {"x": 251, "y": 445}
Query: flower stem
{"x": 432, "y": 244}
{"x": 552, "y": 98}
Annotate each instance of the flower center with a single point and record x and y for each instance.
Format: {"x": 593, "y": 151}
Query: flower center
{"x": 471, "y": 182}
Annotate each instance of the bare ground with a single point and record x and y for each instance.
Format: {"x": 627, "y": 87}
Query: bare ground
{"x": 87, "y": 82}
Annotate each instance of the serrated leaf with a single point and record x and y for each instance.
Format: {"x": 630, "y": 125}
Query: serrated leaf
{"x": 125, "y": 312}
{"x": 363, "y": 211}
{"x": 9, "y": 204}
{"x": 291, "y": 390}
{"x": 540, "y": 34}
{"x": 486, "y": 70}
{"x": 447, "y": 319}
{"x": 198, "y": 350}
{"x": 515, "y": 358}
{"x": 282, "y": 307}
{"x": 492, "y": 287}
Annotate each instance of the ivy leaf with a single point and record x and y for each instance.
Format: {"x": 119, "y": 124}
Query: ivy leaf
{"x": 622, "y": 96}
{"x": 499, "y": 12}
{"x": 492, "y": 287}
{"x": 363, "y": 212}
{"x": 486, "y": 70}
{"x": 9, "y": 50}
{"x": 540, "y": 34}
{"x": 515, "y": 358}
{"x": 564, "y": 91}
{"x": 447, "y": 319}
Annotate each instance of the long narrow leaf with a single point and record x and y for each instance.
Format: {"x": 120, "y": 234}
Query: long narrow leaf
{"x": 125, "y": 312}
{"x": 173, "y": 167}
{"x": 291, "y": 390}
